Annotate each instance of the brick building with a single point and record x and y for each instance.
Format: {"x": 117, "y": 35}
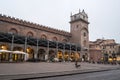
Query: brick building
{"x": 42, "y": 42}
{"x": 108, "y": 49}
{"x": 95, "y": 52}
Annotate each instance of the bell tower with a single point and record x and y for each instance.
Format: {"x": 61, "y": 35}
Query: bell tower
{"x": 80, "y": 33}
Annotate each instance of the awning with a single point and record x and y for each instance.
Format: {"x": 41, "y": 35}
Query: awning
{"x": 19, "y": 52}
{"x": 7, "y": 51}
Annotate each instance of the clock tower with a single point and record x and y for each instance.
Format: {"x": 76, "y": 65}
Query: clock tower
{"x": 80, "y": 33}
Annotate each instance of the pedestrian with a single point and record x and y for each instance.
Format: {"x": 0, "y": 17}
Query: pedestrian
{"x": 76, "y": 64}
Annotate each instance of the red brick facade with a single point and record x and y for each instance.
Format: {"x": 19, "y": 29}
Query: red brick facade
{"x": 79, "y": 35}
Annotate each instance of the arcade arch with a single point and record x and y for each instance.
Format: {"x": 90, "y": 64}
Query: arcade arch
{"x": 17, "y": 57}
{"x": 51, "y": 55}
{"x": 4, "y": 56}
{"x": 60, "y": 55}
{"x": 41, "y": 54}
{"x": 72, "y": 56}
{"x": 30, "y": 52}
{"x": 66, "y": 56}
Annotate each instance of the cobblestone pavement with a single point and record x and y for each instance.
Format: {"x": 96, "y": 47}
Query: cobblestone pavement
{"x": 44, "y": 67}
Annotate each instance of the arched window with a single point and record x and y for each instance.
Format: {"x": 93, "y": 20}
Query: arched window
{"x": 54, "y": 38}
{"x": 30, "y": 34}
{"x": 13, "y": 30}
{"x": 43, "y": 37}
{"x": 64, "y": 40}
{"x": 84, "y": 34}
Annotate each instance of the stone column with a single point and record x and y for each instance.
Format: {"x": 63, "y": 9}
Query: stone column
{"x": 56, "y": 49}
{"x": 47, "y": 54}
{"x": 64, "y": 53}
{"x": 12, "y": 44}
{"x": 70, "y": 52}
{"x": 36, "y": 50}
{"x": 25, "y": 49}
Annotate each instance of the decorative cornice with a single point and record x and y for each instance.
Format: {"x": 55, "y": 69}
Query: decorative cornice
{"x": 33, "y": 25}
{"x": 79, "y": 20}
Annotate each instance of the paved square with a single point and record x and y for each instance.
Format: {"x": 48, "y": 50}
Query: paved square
{"x": 44, "y": 67}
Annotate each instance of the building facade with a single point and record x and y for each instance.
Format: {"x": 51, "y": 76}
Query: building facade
{"x": 45, "y": 43}
{"x": 109, "y": 49}
{"x": 95, "y": 52}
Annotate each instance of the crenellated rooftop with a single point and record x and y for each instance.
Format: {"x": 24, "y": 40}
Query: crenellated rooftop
{"x": 79, "y": 16}
{"x": 32, "y": 25}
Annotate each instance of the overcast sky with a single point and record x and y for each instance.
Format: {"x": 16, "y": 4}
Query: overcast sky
{"x": 103, "y": 15}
